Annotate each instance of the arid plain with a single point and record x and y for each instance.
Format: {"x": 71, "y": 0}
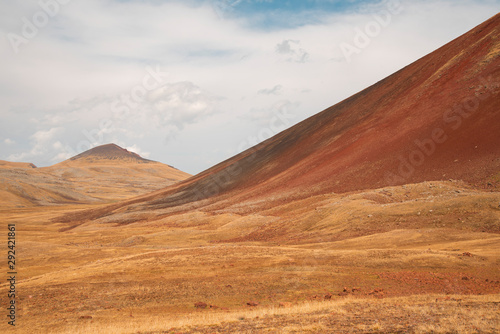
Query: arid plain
{"x": 380, "y": 214}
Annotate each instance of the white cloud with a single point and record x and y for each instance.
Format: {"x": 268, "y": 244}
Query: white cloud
{"x": 292, "y": 50}
{"x": 8, "y": 141}
{"x": 276, "y": 90}
{"x": 42, "y": 141}
{"x": 180, "y": 103}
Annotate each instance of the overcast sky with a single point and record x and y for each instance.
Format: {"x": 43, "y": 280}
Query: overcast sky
{"x": 192, "y": 83}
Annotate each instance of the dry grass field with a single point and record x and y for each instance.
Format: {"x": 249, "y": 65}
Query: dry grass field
{"x": 354, "y": 263}
{"x": 416, "y": 314}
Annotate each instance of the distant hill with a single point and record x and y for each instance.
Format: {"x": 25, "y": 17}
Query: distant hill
{"x": 109, "y": 152}
{"x": 102, "y": 174}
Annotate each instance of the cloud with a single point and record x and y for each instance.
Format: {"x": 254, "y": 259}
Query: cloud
{"x": 41, "y": 143}
{"x": 60, "y": 152}
{"x": 276, "y": 90}
{"x": 8, "y": 141}
{"x": 291, "y": 49}
{"x": 225, "y": 7}
{"x": 164, "y": 111}
{"x": 180, "y": 104}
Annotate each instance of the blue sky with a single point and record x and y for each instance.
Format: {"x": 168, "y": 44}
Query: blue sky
{"x": 268, "y": 15}
{"x": 191, "y": 83}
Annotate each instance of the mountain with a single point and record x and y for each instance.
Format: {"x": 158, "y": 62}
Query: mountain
{"x": 436, "y": 119}
{"x": 101, "y": 174}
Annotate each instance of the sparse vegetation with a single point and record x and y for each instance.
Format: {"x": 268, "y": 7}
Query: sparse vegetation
{"x": 415, "y": 314}
{"x": 146, "y": 277}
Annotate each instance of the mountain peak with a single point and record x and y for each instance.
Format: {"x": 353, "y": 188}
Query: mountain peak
{"x": 109, "y": 152}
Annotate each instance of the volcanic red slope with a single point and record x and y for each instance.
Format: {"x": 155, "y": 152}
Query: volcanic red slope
{"x": 436, "y": 119}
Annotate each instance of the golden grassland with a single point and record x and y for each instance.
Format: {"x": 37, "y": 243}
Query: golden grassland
{"x": 382, "y": 257}
{"x": 415, "y": 314}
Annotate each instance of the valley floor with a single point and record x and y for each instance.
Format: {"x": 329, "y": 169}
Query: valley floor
{"x": 416, "y": 314}
{"x": 414, "y": 259}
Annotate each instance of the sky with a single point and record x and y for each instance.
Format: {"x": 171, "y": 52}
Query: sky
{"x": 192, "y": 83}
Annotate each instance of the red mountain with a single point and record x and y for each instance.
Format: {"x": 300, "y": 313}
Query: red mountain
{"x": 436, "y": 119}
